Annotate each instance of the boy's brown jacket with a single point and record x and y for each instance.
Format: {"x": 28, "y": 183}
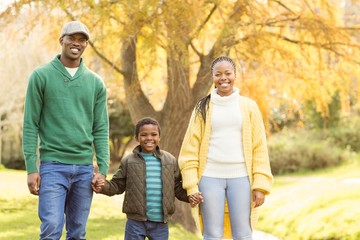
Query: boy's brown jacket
{"x": 131, "y": 178}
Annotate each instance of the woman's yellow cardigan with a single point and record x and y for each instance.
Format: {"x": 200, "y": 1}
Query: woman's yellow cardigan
{"x": 194, "y": 149}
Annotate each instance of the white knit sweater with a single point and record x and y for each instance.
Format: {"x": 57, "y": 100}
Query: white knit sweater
{"x": 225, "y": 153}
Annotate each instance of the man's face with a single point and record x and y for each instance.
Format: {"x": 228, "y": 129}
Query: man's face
{"x": 73, "y": 46}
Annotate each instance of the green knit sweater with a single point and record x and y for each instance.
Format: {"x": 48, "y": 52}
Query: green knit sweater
{"x": 68, "y": 114}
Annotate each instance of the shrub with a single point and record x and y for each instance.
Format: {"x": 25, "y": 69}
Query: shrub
{"x": 347, "y": 135}
{"x": 302, "y": 150}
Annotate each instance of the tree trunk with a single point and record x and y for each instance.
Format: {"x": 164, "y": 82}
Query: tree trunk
{"x": 173, "y": 130}
{"x": 173, "y": 118}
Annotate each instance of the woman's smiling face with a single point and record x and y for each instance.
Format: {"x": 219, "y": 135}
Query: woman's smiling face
{"x": 223, "y": 75}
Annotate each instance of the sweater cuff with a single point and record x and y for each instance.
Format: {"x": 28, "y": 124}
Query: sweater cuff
{"x": 262, "y": 183}
{"x": 103, "y": 170}
{"x": 30, "y": 164}
{"x": 192, "y": 190}
{"x": 190, "y": 181}
{"x": 103, "y": 166}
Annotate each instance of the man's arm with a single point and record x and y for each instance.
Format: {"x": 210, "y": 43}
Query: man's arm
{"x": 32, "y": 113}
{"x": 101, "y": 131}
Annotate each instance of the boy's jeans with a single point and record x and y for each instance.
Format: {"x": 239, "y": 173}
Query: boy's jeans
{"x": 64, "y": 190}
{"x": 138, "y": 230}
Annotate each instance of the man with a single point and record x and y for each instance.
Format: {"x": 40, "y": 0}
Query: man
{"x": 65, "y": 107}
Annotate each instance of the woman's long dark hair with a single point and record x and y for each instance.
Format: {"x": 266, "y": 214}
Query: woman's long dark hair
{"x": 203, "y": 105}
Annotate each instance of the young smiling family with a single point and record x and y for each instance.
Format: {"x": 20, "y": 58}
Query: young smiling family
{"x": 223, "y": 169}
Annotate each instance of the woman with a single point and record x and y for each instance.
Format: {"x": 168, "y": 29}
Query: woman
{"x": 224, "y": 158}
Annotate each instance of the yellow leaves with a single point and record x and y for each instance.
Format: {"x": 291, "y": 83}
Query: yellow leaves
{"x": 289, "y": 51}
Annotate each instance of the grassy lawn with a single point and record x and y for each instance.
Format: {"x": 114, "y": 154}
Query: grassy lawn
{"x": 315, "y": 205}
{"x": 19, "y": 220}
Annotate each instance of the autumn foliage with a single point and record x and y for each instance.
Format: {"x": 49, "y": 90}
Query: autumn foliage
{"x": 155, "y": 55}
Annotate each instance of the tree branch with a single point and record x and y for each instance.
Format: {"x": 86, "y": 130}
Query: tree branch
{"x": 205, "y": 21}
{"x": 283, "y": 5}
{"x": 323, "y": 45}
{"x": 105, "y": 59}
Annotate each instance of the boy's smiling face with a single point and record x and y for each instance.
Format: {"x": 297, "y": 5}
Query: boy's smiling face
{"x": 148, "y": 138}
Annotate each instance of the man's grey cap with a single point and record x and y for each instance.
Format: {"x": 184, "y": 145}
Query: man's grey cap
{"x": 73, "y": 27}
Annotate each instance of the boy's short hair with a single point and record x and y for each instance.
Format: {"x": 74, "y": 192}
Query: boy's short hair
{"x": 145, "y": 121}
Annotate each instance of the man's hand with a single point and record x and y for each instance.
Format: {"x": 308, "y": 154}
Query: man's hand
{"x": 33, "y": 182}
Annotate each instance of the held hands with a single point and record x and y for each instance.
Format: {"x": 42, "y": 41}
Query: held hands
{"x": 98, "y": 182}
{"x": 195, "y": 199}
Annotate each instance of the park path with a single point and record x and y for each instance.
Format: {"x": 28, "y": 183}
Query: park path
{"x": 14, "y": 185}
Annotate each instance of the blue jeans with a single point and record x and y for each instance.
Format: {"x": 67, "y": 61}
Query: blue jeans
{"x": 65, "y": 196}
{"x": 237, "y": 191}
{"x": 138, "y": 230}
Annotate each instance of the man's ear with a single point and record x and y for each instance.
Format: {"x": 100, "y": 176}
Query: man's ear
{"x": 61, "y": 40}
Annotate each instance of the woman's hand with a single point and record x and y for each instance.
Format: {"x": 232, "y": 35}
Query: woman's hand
{"x": 258, "y": 198}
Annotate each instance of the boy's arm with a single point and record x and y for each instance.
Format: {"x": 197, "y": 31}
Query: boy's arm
{"x": 117, "y": 184}
{"x": 180, "y": 193}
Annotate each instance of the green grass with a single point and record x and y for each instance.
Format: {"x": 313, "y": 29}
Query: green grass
{"x": 308, "y": 206}
{"x": 19, "y": 220}
{"x": 315, "y": 205}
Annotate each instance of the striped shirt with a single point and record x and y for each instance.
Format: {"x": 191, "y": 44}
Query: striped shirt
{"x": 154, "y": 210}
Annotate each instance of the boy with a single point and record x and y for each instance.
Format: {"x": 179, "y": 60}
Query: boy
{"x": 151, "y": 180}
